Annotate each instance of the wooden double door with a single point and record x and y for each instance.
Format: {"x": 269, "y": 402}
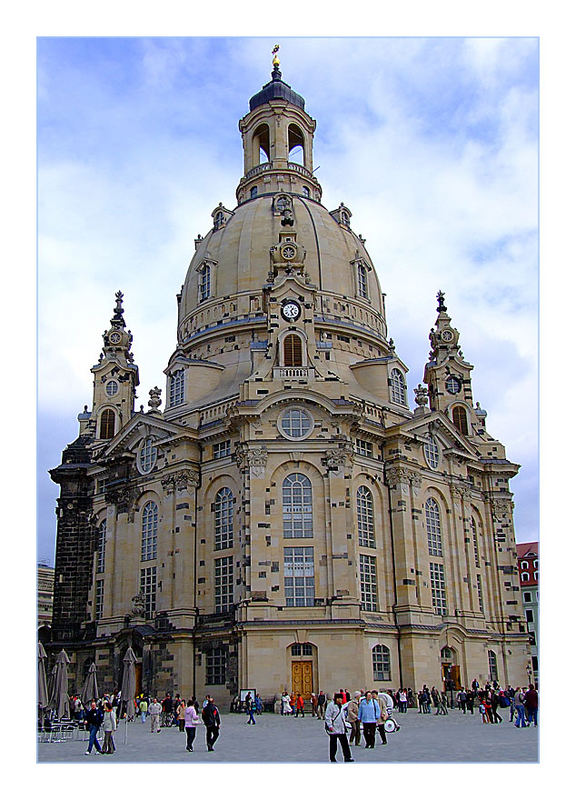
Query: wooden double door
{"x": 302, "y": 678}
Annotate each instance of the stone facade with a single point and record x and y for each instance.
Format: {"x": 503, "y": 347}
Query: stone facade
{"x": 287, "y": 521}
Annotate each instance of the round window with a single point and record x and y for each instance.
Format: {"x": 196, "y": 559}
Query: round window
{"x": 453, "y": 385}
{"x": 295, "y": 423}
{"x": 147, "y": 456}
{"x": 111, "y": 388}
{"x": 431, "y": 453}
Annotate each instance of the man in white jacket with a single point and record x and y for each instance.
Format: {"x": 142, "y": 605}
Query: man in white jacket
{"x": 336, "y": 728}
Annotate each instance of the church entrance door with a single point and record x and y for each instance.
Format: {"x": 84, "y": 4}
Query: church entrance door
{"x": 302, "y": 678}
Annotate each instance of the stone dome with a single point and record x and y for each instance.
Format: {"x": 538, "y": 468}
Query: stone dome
{"x": 238, "y": 252}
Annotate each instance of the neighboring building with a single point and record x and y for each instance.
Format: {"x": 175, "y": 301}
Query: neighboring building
{"x": 528, "y": 570}
{"x": 45, "y": 593}
{"x": 288, "y": 521}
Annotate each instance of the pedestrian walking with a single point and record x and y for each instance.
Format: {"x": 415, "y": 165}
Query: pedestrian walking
{"x": 94, "y": 719}
{"x": 109, "y": 725}
{"x": 167, "y": 710}
{"x": 211, "y": 719}
{"x": 143, "y": 709}
{"x": 495, "y": 704}
{"x": 191, "y": 722}
{"x": 250, "y": 705}
{"x": 352, "y": 717}
{"x": 299, "y": 705}
{"x": 519, "y": 708}
{"x": 335, "y": 726}
{"x": 314, "y": 704}
{"x": 286, "y": 708}
{"x": 402, "y": 701}
{"x": 531, "y": 705}
{"x": 180, "y": 711}
{"x": 321, "y": 704}
{"x": 154, "y": 710}
{"x": 368, "y": 714}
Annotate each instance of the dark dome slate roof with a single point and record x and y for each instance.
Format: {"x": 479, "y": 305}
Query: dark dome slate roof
{"x": 276, "y": 89}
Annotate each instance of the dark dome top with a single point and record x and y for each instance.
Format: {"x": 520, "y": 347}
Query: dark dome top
{"x": 274, "y": 90}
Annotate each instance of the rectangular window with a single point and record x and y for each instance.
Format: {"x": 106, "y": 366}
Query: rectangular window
{"x": 177, "y": 388}
{"x": 299, "y": 576}
{"x": 148, "y": 589}
{"x": 223, "y": 584}
{"x": 527, "y": 597}
{"x": 362, "y": 281}
{"x": 364, "y": 448}
{"x": 204, "y": 282}
{"x": 368, "y": 583}
{"x": 221, "y": 449}
{"x": 438, "y": 588}
{"x": 529, "y": 615}
{"x": 216, "y": 667}
{"x": 99, "y": 600}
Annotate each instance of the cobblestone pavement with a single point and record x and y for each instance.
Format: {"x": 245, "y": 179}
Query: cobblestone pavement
{"x": 424, "y": 738}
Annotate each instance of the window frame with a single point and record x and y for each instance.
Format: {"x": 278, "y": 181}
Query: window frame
{"x": 365, "y": 517}
{"x": 223, "y": 508}
{"x": 299, "y": 577}
{"x": 381, "y": 655}
{"x": 297, "y": 507}
{"x": 149, "y": 531}
{"x": 367, "y": 570}
{"x": 397, "y": 387}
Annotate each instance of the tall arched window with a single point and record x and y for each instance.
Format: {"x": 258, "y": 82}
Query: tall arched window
{"x": 492, "y": 665}
{"x": 474, "y": 532}
{"x": 365, "y": 511}
{"x": 397, "y": 387}
{"x": 149, "y": 531}
{"x": 224, "y": 519}
{"x": 292, "y": 350}
{"x": 362, "y": 281}
{"x": 381, "y": 663}
{"x": 433, "y": 527}
{"x": 460, "y": 419}
{"x": 204, "y": 282}
{"x": 100, "y": 558}
{"x": 297, "y": 506}
{"x": 107, "y": 424}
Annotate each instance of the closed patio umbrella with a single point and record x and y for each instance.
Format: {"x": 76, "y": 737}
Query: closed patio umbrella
{"x": 90, "y": 688}
{"x": 128, "y": 688}
{"x": 60, "y": 700}
{"x": 42, "y": 683}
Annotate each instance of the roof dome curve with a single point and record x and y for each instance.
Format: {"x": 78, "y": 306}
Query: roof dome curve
{"x": 237, "y": 254}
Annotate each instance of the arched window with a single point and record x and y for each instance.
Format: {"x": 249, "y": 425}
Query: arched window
{"x": 292, "y": 350}
{"x": 149, "y": 531}
{"x": 460, "y": 419}
{"x": 397, "y": 387}
{"x": 295, "y": 145}
{"x": 261, "y": 144}
{"x": 474, "y": 532}
{"x": 204, "y": 281}
{"x": 101, "y": 546}
{"x": 147, "y": 456}
{"x": 381, "y": 663}
{"x": 433, "y": 527}
{"x": 446, "y": 654}
{"x": 365, "y": 511}
{"x": 297, "y": 506}
{"x": 492, "y": 665}
{"x": 177, "y": 387}
{"x": 107, "y": 424}
{"x": 254, "y": 192}
{"x": 362, "y": 281}
{"x": 224, "y": 519}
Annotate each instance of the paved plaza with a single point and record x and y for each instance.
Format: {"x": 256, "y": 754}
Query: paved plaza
{"x": 424, "y": 738}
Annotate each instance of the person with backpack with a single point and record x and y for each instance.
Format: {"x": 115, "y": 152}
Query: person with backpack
{"x": 211, "y": 719}
{"x": 335, "y": 726}
{"x": 94, "y": 718}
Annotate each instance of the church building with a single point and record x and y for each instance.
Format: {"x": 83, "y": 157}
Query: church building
{"x": 289, "y": 519}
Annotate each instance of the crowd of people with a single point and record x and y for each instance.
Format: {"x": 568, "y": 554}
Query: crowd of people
{"x": 348, "y": 716}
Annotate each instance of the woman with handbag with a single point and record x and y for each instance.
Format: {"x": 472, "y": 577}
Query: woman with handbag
{"x": 335, "y": 726}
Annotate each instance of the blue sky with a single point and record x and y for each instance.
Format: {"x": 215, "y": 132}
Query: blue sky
{"x": 431, "y": 142}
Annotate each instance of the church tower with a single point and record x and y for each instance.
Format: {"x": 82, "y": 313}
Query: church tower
{"x": 287, "y": 521}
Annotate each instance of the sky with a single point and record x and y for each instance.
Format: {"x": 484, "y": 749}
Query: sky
{"x": 432, "y": 143}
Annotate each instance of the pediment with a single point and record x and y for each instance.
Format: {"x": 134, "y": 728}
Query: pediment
{"x": 141, "y": 426}
{"x": 440, "y": 426}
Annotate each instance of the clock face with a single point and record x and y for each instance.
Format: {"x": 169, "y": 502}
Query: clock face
{"x": 288, "y": 252}
{"x": 447, "y": 336}
{"x": 115, "y": 338}
{"x": 291, "y": 310}
{"x": 282, "y": 203}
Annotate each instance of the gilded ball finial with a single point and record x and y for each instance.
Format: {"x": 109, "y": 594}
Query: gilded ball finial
{"x": 275, "y": 60}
